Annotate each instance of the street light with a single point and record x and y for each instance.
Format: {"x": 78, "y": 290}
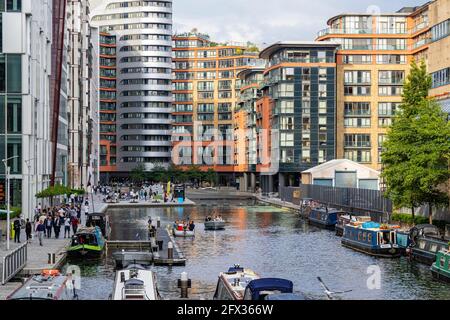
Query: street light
{"x": 7, "y": 169}
{"x": 28, "y": 163}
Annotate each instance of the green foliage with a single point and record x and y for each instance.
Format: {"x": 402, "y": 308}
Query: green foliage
{"x": 417, "y": 147}
{"x": 17, "y": 211}
{"x": 137, "y": 175}
{"x": 58, "y": 190}
{"x": 408, "y": 219}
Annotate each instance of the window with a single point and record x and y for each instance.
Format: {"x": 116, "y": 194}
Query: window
{"x": 357, "y": 108}
{"x": 391, "y": 77}
{"x": 14, "y": 73}
{"x": 357, "y": 140}
{"x": 357, "y": 90}
{"x": 286, "y": 139}
{"x": 362, "y": 156}
{"x": 357, "y": 59}
{"x": 14, "y": 5}
{"x": 14, "y": 115}
{"x": 322, "y": 107}
{"x": 391, "y": 59}
{"x": 287, "y": 155}
{"x": 287, "y": 106}
{"x": 357, "y": 122}
{"x": 2, "y": 72}
{"x": 440, "y": 78}
{"x": 440, "y": 30}
{"x": 322, "y": 90}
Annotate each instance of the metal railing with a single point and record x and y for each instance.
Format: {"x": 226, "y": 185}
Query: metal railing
{"x": 13, "y": 263}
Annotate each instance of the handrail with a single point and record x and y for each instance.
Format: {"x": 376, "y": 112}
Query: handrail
{"x": 13, "y": 262}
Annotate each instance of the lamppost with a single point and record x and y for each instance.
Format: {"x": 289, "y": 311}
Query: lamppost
{"x": 7, "y": 169}
{"x": 28, "y": 163}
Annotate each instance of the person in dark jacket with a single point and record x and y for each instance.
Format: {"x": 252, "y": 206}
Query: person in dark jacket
{"x": 28, "y": 229}
{"x": 49, "y": 226}
{"x": 17, "y": 227}
{"x": 57, "y": 226}
{"x": 40, "y": 229}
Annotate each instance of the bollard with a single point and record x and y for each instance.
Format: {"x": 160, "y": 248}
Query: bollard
{"x": 154, "y": 245}
{"x": 158, "y": 222}
{"x": 51, "y": 258}
{"x": 184, "y": 283}
{"x": 160, "y": 245}
{"x": 170, "y": 250}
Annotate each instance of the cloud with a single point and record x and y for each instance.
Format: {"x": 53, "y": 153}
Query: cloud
{"x": 267, "y": 21}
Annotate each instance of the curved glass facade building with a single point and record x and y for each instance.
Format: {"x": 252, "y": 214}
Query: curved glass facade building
{"x": 143, "y": 31}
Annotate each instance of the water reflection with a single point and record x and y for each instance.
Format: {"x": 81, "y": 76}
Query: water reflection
{"x": 272, "y": 242}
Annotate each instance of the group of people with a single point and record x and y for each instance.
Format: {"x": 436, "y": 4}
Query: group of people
{"x": 216, "y": 218}
{"x": 52, "y": 220}
{"x": 184, "y": 225}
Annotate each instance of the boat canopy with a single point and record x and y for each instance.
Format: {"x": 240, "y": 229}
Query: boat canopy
{"x": 235, "y": 269}
{"x": 269, "y": 284}
{"x": 370, "y": 225}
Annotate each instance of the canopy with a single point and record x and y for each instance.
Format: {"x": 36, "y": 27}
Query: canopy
{"x": 269, "y": 284}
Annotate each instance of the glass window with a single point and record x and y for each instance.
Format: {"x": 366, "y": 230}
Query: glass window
{"x": 14, "y": 73}
{"x": 2, "y": 73}
{"x": 13, "y": 5}
{"x": 14, "y": 115}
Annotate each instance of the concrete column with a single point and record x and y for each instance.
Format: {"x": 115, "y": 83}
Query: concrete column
{"x": 252, "y": 182}
{"x": 281, "y": 181}
{"x": 244, "y": 185}
{"x": 270, "y": 183}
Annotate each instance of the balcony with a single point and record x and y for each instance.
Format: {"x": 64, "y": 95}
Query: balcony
{"x": 331, "y": 31}
{"x": 277, "y": 61}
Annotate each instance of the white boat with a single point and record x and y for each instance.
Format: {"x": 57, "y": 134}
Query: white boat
{"x": 184, "y": 233}
{"x": 215, "y": 225}
{"x": 232, "y": 284}
{"x": 135, "y": 283}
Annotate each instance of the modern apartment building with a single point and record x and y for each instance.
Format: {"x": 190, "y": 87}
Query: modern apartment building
{"x": 143, "y": 32}
{"x": 25, "y": 69}
{"x": 82, "y": 100}
{"x": 108, "y": 106}
{"x": 373, "y": 61}
{"x": 206, "y": 89}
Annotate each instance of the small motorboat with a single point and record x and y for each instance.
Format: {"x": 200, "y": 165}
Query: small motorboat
{"x": 215, "y": 225}
{"x": 124, "y": 258}
{"x": 49, "y": 285}
{"x": 183, "y": 233}
{"x": 324, "y": 217}
{"x": 135, "y": 283}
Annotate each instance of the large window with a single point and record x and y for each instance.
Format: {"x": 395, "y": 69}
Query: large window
{"x": 14, "y": 73}
{"x": 357, "y": 140}
{"x": 357, "y": 77}
{"x": 14, "y": 5}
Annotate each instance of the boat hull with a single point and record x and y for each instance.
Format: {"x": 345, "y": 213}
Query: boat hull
{"x": 339, "y": 230}
{"x": 214, "y": 225}
{"x": 85, "y": 250}
{"x": 183, "y": 234}
{"x": 440, "y": 274}
{"x": 322, "y": 224}
{"x": 423, "y": 256}
{"x": 391, "y": 252}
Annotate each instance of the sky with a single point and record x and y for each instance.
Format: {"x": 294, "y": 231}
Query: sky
{"x": 267, "y": 21}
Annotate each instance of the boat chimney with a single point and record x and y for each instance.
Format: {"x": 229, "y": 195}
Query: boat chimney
{"x": 184, "y": 283}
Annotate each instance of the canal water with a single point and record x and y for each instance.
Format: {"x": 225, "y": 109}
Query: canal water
{"x": 271, "y": 241}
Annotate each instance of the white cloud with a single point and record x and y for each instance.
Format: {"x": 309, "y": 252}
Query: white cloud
{"x": 267, "y": 21}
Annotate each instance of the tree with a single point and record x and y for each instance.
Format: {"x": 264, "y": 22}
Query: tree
{"x": 417, "y": 147}
{"x": 137, "y": 175}
{"x": 211, "y": 176}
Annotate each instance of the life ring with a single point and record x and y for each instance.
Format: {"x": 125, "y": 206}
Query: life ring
{"x": 53, "y": 272}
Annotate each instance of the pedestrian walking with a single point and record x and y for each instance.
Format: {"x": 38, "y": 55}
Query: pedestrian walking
{"x": 40, "y": 229}
{"x": 28, "y": 229}
{"x": 49, "y": 226}
{"x": 17, "y": 227}
{"x": 67, "y": 227}
{"x": 75, "y": 223}
{"x": 86, "y": 208}
{"x": 57, "y": 226}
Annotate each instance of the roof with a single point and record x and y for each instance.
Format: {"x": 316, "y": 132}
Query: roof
{"x": 270, "y": 50}
{"x": 258, "y": 285}
{"x": 336, "y": 162}
{"x": 391, "y": 14}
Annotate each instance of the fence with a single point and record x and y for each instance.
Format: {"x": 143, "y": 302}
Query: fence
{"x": 13, "y": 263}
{"x": 356, "y": 201}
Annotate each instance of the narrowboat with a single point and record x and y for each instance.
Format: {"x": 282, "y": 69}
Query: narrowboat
{"x": 324, "y": 217}
{"x": 344, "y": 219}
{"x": 260, "y": 289}
{"x": 50, "y": 285}
{"x": 403, "y": 240}
{"x": 440, "y": 269}
{"x": 87, "y": 241}
{"x": 232, "y": 284}
{"x": 100, "y": 220}
{"x": 135, "y": 283}
{"x": 372, "y": 239}
{"x": 426, "y": 242}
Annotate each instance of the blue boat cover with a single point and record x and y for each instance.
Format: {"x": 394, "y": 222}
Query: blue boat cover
{"x": 286, "y": 296}
{"x": 235, "y": 269}
{"x": 269, "y": 284}
{"x": 370, "y": 225}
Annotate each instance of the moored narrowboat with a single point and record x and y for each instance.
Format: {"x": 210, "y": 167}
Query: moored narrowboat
{"x": 344, "y": 219}
{"x": 87, "y": 242}
{"x": 260, "y": 289}
{"x": 440, "y": 269}
{"x": 372, "y": 238}
{"x": 324, "y": 217}
{"x": 232, "y": 284}
{"x": 426, "y": 242}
